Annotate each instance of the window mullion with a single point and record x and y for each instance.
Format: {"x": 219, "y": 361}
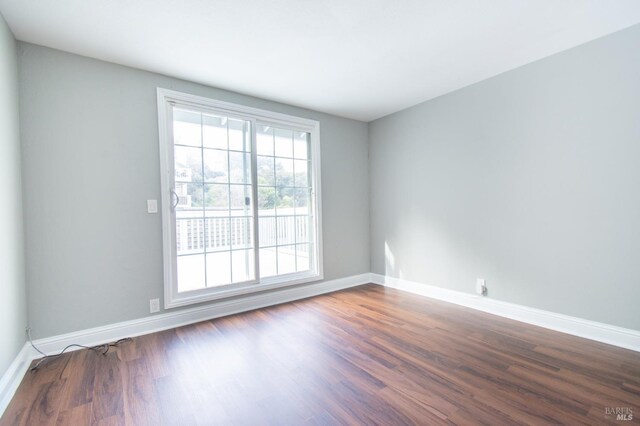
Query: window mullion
{"x": 204, "y": 204}
{"x": 275, "y": 202}
{"x": 295, "y": 218}
{"x": 254, "y": 191}
{"x": 230, "y": 227}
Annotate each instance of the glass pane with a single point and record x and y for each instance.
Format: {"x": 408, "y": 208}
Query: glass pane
{"x": 218, "y": 268}
{"x": 214, "y": 131}
{"x": 218, "y": 234}
{"x": 284, "y": 172}
{"x": 284, "y": 143}
{"x": 240, "y": 167}
{"x": 267, "y": 231}
{"x": 286, "y": 260}
{"x": 239, "y": 139}
{"x": 189, "y": 234}
{"x": 241, "y": 232}
{"x": 186, "y": 128}
{"x": 286, "y": 230}
{"x": 301, "y": 168}
{"x": 216, "y": 196}
{"x": 301, "y": 145}
{"x": 284, "y": 200}
{"x": 240, "y": 197}
{"x": 302, "y": 229}
{"x": 191, "y": 272}
{"x": 189, "y": 196}
{"x": 268, "y": 262}
{"x": 266, "y": 174}
{"x": 243, "y": 266}
{"x": 264, "y": 140}
{"x": 266, "y": 200}
{"x": 213, "y": 171}
{"x": 187, "y": 164}
{"x": 303, "y": 257}
{"x": 216, "y": 166}
{"x": 213, "y": 178}
{"x": 302, "y": 197}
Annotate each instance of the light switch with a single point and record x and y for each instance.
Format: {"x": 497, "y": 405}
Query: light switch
{"x": 152, "y": 206}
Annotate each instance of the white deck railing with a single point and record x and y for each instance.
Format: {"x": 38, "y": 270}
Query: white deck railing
{"x": 194, "y": 234}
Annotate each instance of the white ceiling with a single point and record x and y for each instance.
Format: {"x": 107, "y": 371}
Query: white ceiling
{"x": 361, "y": 59}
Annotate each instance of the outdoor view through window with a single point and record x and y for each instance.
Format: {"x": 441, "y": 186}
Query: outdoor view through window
{"x": 216, "y": 178}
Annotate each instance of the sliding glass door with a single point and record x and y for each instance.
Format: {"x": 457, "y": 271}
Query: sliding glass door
{"x": 243, "y": 206}
{"x": 213, "y": 200}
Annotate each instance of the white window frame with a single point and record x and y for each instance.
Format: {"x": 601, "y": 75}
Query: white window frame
{"x": 166, "y": 99}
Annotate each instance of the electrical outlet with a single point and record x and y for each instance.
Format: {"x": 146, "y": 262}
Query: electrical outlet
{"x": 154, "y": 305}
{"x": 481, "y": 287}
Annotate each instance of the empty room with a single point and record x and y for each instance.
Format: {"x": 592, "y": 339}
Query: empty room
{"x": 327, "y": 212}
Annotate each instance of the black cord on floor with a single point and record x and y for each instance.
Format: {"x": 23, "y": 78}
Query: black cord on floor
{"x": 102, "y": 349}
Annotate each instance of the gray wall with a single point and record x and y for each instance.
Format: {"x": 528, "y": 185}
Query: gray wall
{"x": 90, "y": 145}
{"x": 530, "y": 180}
{"x": 13, "y": 305}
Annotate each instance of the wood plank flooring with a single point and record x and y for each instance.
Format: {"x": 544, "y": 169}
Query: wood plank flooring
{"x": 368, "y": 355}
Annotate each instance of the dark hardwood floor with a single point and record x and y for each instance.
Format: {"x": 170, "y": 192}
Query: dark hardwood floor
{"x": 367, "y": 355}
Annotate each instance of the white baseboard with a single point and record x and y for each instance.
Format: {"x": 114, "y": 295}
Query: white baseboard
{"x": 9, "y": 382}
{"x": 177, "y": 318}
{"x": 11, "y": 378}
{"x": 99, "y": 335}
{"x": 605, "y": 333}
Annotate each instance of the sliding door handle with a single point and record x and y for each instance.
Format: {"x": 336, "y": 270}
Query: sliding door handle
{"x": 175, "y": 196}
